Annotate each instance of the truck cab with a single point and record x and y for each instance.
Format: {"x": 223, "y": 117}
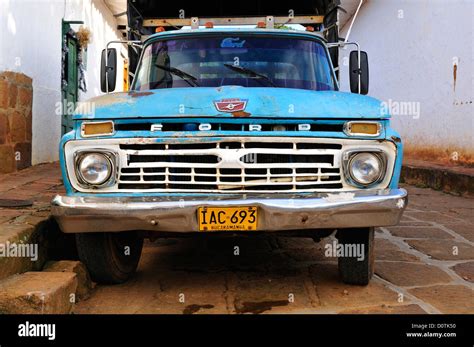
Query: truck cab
{"x": 230, "y": 131}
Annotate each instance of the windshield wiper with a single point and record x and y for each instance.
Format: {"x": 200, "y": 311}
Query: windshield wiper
{"x": 190, "y": 79}
{"x": 249, "y": 72}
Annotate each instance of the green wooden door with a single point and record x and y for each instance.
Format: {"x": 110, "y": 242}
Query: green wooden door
{"x": 70, "y": 80}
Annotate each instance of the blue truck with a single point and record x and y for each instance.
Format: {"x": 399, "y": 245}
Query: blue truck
{"x": 230, "y": 130}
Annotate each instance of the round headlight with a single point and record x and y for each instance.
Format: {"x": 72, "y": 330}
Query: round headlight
{"x": 365, "y": 168}
{"x": 94, "y": 168}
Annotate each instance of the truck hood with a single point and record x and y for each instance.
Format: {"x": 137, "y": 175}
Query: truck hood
{"x": 260, "y": 102}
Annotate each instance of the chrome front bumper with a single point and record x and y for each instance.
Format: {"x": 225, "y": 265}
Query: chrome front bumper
{"x": 276, "y": 212}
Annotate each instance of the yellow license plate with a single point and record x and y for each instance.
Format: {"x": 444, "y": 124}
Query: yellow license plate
{"x": 227, "y": 218}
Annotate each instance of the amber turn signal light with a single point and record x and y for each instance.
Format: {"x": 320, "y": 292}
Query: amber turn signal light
{"x": 97, "y": 129}
{"x": 362, "y": 128}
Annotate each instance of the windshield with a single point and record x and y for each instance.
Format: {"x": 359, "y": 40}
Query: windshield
{"x": 243, "y": 60}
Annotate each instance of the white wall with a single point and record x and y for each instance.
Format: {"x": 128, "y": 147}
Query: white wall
{"x": 30, "y": 42}
{"x": 412, "y": 46}
{"x": 101, "y": 22}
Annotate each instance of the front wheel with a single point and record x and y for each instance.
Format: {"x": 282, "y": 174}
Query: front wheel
{"x": 356, "y": 265}
{"x": 110, "y": 257}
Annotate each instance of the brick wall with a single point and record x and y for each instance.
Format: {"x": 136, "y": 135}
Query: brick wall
{"x": 16, "y": 100}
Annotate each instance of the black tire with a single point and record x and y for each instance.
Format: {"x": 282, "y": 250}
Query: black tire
{"x": 352, "y": 270}
{"x": 106, "y": 256}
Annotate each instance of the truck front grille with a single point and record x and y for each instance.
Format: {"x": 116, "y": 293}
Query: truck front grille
{"x": 231, "y": 166}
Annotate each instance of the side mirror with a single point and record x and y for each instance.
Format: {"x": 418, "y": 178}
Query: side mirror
{"x": 108, "y": 72}
{"x": 355, "y": 72}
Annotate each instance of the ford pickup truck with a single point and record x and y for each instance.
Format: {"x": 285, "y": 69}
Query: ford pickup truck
{"x": 230, "y": 130}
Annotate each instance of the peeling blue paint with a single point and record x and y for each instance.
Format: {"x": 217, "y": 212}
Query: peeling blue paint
{"x": 62, "y": 161}
{"x": 391, "y": 134}
{"x": 282, "y": 103}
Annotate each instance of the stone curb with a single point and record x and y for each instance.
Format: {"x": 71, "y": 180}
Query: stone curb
{"x": 36, "y": 235}
{"x": 84, "y": 282}
{"x": 54, "y": 290}
{"x": 22, "y": 247}
{"x": 453, "y": 180}
{"x": 38, "y": 293}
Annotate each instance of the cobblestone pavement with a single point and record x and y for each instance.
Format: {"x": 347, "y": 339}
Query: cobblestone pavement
{"x": 426, "y": 264}
{"x": 37, "y": 184}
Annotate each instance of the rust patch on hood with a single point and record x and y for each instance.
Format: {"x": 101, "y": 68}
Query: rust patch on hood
{"x": 396, "y": 139}
{"x": 109, "y": 99}
{"x": 241, "y": 114}
{"x": 134, "y": 94}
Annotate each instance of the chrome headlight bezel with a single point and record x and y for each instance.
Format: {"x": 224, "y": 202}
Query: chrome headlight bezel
{"x": 111, "y": 159}
{"x": 348, "y": 157}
